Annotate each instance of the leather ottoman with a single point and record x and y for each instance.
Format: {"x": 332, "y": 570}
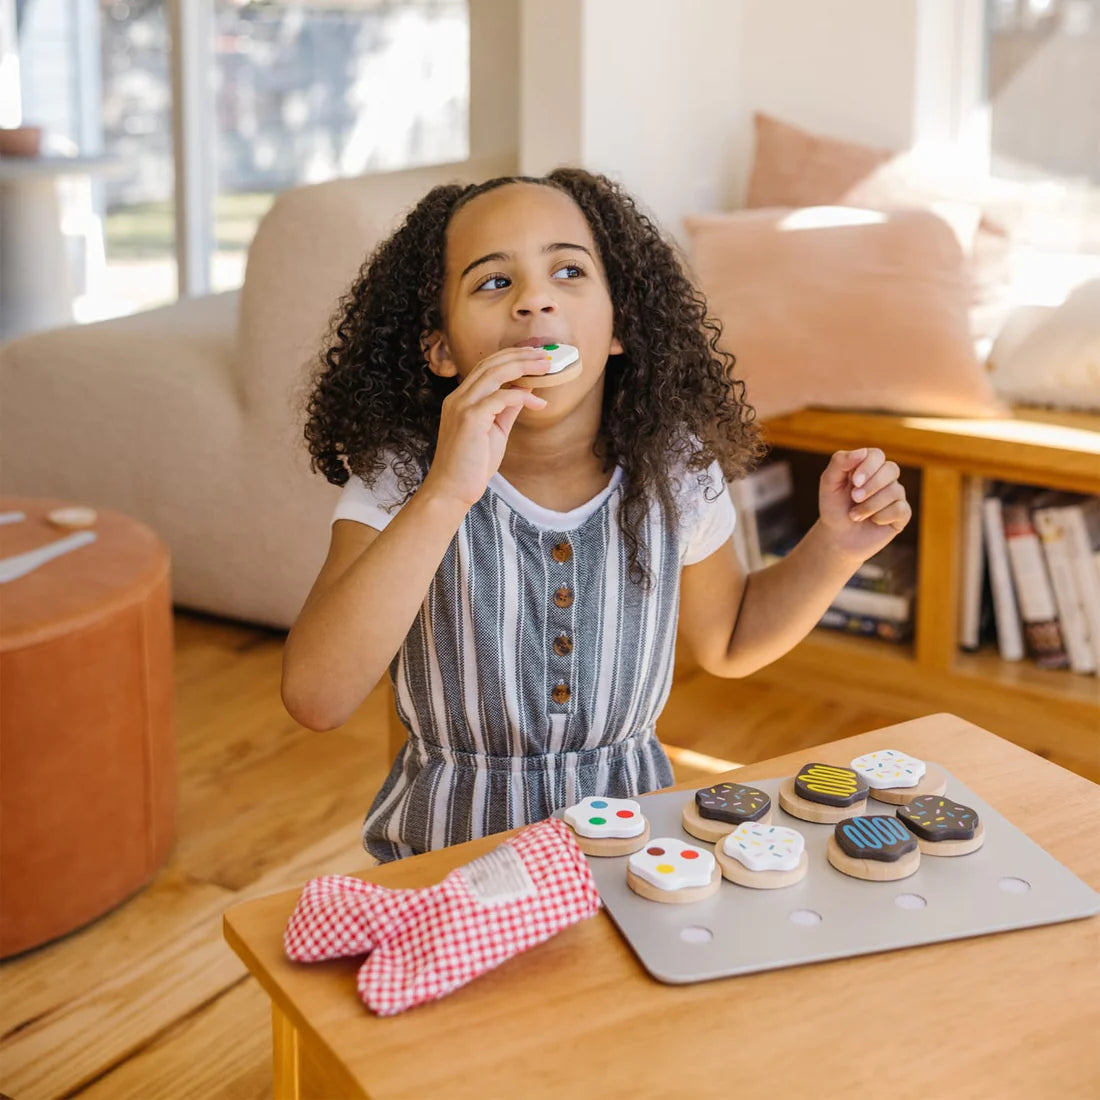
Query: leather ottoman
{"x": 88, "y": 772}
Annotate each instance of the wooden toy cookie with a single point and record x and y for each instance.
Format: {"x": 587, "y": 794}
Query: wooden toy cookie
{"x": 896, "y": 778}
{"x": 670, "y": 871}
{"x": 715, "y": 811}
{"x": 823, "y": 793}
{"x": 565, "y": 365}
{"x": 942, "y": 827}
{"x": 876, "y": 848}
{"x": 764, "y": 857}
{"x": 607, "y": 826}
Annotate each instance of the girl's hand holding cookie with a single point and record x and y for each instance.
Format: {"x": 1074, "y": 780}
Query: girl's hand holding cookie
{"x": 862, "y": 503}
{"x": 476, "y": 420}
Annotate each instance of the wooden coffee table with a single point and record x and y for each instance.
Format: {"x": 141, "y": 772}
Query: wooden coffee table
{"x": 1014, "y": 1014}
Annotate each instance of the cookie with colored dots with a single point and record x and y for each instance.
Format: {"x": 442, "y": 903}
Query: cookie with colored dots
{"x": 670, "y": 871}
{"x": 896, "y": 778}
{"x": 607, "y": 826}
{"x": 942, "y": 827}
{"x": 877, "y": 848}
{"x": 824, "y": 793}
{"x": 764, "y": 857}
{"x": 715, "y": 811}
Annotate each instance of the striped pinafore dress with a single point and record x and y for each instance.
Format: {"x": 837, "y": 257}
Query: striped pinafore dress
{"x": 533, "y": 674}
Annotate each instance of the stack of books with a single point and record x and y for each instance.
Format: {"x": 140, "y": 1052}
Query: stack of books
{"x": 1032, "y": 557}
{"x": 878, "y": 601}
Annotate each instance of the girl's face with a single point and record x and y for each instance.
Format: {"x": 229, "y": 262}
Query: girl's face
{"x": 521, "y": 264}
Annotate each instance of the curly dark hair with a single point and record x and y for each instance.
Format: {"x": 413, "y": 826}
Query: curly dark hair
{"x": 670, "y": 398}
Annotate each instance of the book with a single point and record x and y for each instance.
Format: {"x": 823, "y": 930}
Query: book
{"x": 764, "y": 501}
{"x": 867, "y": 625}
{"x": 973, "y": 564}
{"x": 893, "y": 569}
{"x": 1006, "y": 614}
{"x": 1081, "y": 521}
{"x": 1034, "y": 593}
{"x": 1071, "y": 614}
{"x": 897, "y": 607}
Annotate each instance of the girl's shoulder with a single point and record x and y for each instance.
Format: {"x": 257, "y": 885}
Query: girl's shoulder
{"x": 706, "y": 516}
{"x": 374, "y": 503}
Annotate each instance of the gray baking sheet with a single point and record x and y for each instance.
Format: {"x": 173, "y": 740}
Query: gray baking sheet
{"x": 1010, "y": 882}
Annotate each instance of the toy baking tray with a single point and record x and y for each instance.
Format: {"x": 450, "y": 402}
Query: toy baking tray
{"x": 1010, "y": 882}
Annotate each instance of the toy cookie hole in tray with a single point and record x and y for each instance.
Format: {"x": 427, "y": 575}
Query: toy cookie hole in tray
{"x": 876, "y": 848}
{"x": 942, "y": 827}
{"x": 674, "y": 872}
{"x": 715, "y": 811}
{"x": 823, "y": 793}
{"x": 895, "y": 778}
{"x": 764, "y": 857}
{"x": 607, "y": 826}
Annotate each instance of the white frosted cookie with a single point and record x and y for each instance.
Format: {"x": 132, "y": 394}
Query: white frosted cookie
{"x": 606, "y": 826}
{"x": 895, "y": 777}
{"x": 763, "y": 856}
{"x": 669, "y": 870}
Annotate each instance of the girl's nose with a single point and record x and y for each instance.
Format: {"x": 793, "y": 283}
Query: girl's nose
{"x": 531, "y": 299}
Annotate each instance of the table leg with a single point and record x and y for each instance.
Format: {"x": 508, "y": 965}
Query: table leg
{"x": 285, "y": 1056}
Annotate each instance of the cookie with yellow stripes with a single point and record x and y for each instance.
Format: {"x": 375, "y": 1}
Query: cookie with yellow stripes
{"x": 823, "y": 793}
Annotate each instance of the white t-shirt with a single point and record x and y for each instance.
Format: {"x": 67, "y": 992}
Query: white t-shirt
{"x": 707, "y": 516}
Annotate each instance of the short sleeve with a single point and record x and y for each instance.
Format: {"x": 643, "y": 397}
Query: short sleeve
{"x": 374, "y": 505}
{"x": 707, "y": 515}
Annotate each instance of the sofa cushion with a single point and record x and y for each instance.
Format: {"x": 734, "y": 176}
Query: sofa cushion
{"x": 842, "y": 308}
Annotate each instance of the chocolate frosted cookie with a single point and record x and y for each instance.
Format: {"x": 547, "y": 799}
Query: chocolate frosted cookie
{"x": 877, "y": 848}
{"x": 941, "y": 826}
{"x": 715, "y": 811}
{"x": 823, "y": 793}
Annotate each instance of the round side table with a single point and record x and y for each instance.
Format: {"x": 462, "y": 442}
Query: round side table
{"x": 88, "y": 779}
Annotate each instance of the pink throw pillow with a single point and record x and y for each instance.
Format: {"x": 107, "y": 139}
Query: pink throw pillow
{"x": 842, "y": 308}
{"x": 794, "y": 167}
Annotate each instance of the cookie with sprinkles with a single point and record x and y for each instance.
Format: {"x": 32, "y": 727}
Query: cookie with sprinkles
{"x": 764, "y": 857}
{"x": 715, "y": 811}
{"x": 895, "y": 777}
{"x": 824, "y": 793}
{"x": 606, "y": 826}
{"x": 941, "y": 826}
{"x": 673, "y": 872}
{"x": 873, "y": 847}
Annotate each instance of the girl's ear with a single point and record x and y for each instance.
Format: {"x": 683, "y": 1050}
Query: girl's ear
{"x": 438, "y": 354}
{"x": 616, "y": 347}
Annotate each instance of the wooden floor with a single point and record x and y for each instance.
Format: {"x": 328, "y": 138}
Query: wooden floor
{"x": 148, "y": 1002}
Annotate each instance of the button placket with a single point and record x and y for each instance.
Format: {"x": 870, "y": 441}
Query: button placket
{"x": 560, "y": 640}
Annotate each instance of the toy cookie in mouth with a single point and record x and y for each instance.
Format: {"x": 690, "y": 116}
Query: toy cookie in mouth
{"x": 607, "y": 826}
{"x": 896, "y": 778}
{"x": 716, "y": 811}
{"x": 670, "y": 871}
{"x": 876, "y": 848}
{"x": 764, "y": 857}
{"x": 565, "y": 365}
{"x": 942, "y": 827}
{"x": 823, "y": 793}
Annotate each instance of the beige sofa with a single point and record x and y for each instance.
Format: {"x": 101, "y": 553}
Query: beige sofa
{"x": 188, "y": 417}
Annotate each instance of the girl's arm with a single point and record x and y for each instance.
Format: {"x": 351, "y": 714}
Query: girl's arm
{"x": 372, "y": 584}
{"x": 734, "y": 624}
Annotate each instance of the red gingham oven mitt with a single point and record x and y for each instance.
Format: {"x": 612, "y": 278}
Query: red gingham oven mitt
{"x": 423, "y": 944}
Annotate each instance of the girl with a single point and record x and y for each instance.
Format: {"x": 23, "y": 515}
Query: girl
{"x": 521, "y": 558}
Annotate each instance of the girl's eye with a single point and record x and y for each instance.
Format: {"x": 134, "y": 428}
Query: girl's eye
{"x": 492, "y": 279}
{"x": 498, "y": 282}
{"x": 569, "y": 267}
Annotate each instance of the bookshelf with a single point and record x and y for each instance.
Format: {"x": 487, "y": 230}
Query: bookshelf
{"x": 1056, "y": 713}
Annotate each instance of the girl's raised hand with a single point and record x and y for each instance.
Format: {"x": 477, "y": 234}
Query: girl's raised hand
{"x": 862, "y": 503}
{"x": 476, "y": 420}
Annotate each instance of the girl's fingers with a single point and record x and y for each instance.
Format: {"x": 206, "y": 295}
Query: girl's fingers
{"x": 873, "y": 505}
{"x": 499, "y": 369}
{"x": 840, "y": 464}
{"x": 895, "y": 515}
{"x": 868, "y": 467}
{"x": 886, "y": 474}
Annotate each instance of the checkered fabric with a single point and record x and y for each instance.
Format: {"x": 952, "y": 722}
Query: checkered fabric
{"x": 423, "y": 944}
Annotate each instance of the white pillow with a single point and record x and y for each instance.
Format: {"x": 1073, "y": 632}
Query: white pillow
{"x": 1058, "y": 362}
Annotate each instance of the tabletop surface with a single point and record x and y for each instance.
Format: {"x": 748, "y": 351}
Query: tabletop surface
{"x": 126, "y": 559}
{"x": 580, "y": 1012}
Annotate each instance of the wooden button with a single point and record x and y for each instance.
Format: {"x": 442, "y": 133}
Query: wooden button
{"x": 563, "y": 645}
{"x": 563, "y": 552}
{"x": 561, "y": 693}
{"x": 563, "y": 597}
